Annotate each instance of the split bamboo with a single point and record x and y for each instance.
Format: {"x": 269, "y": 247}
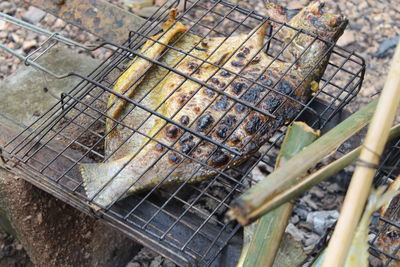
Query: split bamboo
{"x": 270, "y": 228}
{"x": 251, "y": 205}
{"x": 319, "y": 176}
{"x": 361, "y": 182}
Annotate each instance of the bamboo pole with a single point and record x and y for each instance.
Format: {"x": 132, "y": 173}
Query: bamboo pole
{"x": 363, "y": 175}
{"x": 267, "y": 234}
{"x": 319, "y": 176}
{"x": 250, "y": 205}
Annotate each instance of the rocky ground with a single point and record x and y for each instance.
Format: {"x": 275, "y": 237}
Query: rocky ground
{"x": 11, "y": 252}
{"x": 373, "y": 32}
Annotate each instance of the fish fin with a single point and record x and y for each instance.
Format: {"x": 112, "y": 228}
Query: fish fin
{"x": 258, "y": 34}
{"x": 134, "y": 75}
{"x": 171, "y": 19}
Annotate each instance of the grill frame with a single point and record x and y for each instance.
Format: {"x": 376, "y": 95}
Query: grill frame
{"x": 57, "y": 188}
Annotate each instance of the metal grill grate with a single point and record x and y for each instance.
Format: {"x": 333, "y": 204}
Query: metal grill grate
{"x": 185, "y": 222}
{"x": 386, "y": 228}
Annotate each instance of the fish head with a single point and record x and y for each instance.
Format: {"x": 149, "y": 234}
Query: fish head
{"x": 313, "y": 20}
{"x": 306, "y": 32}
{"x": 310, "y": 37}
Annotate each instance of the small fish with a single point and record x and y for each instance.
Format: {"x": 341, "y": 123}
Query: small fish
{"x": 142, "y": 163}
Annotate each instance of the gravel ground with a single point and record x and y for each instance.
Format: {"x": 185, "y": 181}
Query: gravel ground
{"x": 373, "y": 32}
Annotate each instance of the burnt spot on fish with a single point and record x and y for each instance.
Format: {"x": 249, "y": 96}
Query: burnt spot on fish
{"x": 204, "y": 122}
{"x": 256, "y": 60}
{"x": 219, "y": 159}
{"x": 159, "y": 147}
{"x": 237, "y": 64}
{"x": 182, "y": 98}
{"x": 270, "y": 103}
{"x": 225, "y": 73}
{"x": 194, "y": 107}
{"x": 229, "y": 121}
{"x": 192, "y": 65}
{"x": 253, "y": 93}
{"x": 221, "y": 132}
{"x": 171, "y": 131}
{"x": 222, "y": 85}
{"x": 253, "y": 124}
{"x": 262, "y": 77}
{"x": 209, "y": 92}
{"x": 241, "y": 55}
{"x": 221, "y": 104}
{"x": 174, "y": 158}
{"x": 238, "y": 87}
{"x": 185, "y": 120}
{"x": 215, "y": 81}
{"x": 235, "y": 139}
{"x": 186, "y": 138}
{"x": 240, "y": 108}
{"x": 251, "y": 147}
{"x": 186, "y": 148}
{"x": 267, "y": 82}
{"x": 284, "y": 87}
{"x": 245, "y": 50}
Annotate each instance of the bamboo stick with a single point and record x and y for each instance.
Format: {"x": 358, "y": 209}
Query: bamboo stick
{"x": 363, "y": 175}
{"x": 269, "y": 229}
{"x": 250, "y": 205}
{"x": 319, "y": 176}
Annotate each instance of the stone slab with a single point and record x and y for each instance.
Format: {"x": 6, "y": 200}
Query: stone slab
{"x": 27, "y": 94}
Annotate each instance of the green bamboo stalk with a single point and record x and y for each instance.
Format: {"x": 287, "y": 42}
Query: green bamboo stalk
{"x": 361, "y": 182}
{"x": 250, "y": 205}
{"x": 320, "y": 175}
{"x": 270, "y": 228}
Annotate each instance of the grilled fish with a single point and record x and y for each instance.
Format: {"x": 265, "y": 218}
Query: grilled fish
{"x": 389, "y": 237}
{"x": 174, "y": 154}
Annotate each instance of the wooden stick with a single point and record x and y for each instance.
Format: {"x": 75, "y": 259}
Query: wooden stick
{"x": 320, "y": 175}
{"x": 266, "y": 238}
{"x": 250, "y": 205}
{"x": 363, "y": 175}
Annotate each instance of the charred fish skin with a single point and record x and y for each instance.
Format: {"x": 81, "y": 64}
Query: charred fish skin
{"x": 207, "y": 112}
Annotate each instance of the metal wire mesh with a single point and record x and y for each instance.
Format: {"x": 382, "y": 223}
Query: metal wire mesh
{"x": 385, "y": 230}
{"x": 185, "y": 222}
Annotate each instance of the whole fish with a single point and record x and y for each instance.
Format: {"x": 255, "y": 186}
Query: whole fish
{"x": 137, "y": 162}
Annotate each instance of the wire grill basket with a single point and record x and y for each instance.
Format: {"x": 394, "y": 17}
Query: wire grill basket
{"x": 385, "y": 229}
{"x": 185, "y": 222}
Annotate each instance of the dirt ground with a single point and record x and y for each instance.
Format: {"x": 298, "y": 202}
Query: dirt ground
{"x": 373, "y": 32}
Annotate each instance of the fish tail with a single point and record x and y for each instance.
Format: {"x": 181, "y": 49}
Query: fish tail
{"x": 104, "y": 183}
